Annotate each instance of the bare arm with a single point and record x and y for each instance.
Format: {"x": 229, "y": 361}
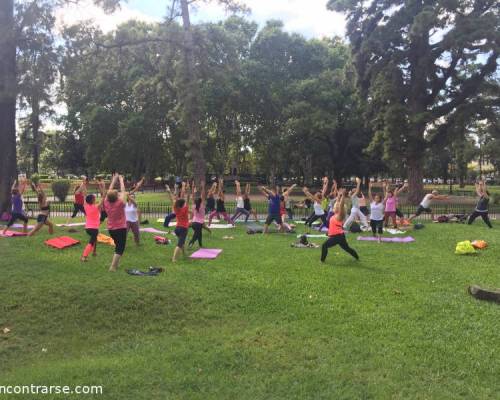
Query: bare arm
{"x": 169, "y": 193}
{"x": 289, "y": 191}
{"x": 370, "y": 197}
{"x": 113, "y": 182}
{"x": 340, "y": 206}
{"x": 137, "y": 186}
{"x": 123, "y": 194}
{"x": 13, "y": 185}
{"x": 358, "y": 186}
{"x": 308, "y": 194}
{"x": 334, "y": 191}
{"x": 325, "y": 186}
{"x": 265, "y": 191}
{"x": 238, "y": 188}
{"x": 401, "y": 189}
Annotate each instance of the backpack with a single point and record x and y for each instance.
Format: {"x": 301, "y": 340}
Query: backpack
{"x": 443, "y": 219}
{"x": 355, "y": 228}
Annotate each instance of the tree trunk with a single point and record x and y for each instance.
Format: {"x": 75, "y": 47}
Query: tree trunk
{"x": 8, "y": 162}
{"x": 415, "y": 179}
{"x": 308, "y": 172}
{"x": 35, "y": 126}
{"x": 190, "y": 96}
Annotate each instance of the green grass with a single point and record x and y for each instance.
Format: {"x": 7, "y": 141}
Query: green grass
{"x": 263, "y": 321}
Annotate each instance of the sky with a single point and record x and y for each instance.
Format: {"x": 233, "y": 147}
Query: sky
{"x": 308, "y": 17}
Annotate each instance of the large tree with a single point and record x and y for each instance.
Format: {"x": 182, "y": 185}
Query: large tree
{"x": 9, "y": 36}
{"x": 418, "y": 63}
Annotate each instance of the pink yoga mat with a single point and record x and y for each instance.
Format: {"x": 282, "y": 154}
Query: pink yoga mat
{"x": 207, "y": 254}
{"x": 406, "y": 239}
{"x": 11, "y": 234}
{"x": 73, "y": 224}
{"x": 152, "y": 230}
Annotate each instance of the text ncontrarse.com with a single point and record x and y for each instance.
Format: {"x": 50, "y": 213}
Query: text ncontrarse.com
{"x": 41, "y": 389}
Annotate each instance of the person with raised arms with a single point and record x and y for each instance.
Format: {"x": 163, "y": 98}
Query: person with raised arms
{"x": 133, "y": 214}
{"x": 181, "y": 210}
{"x": 274, "y": 205}
{"x": 92, "y": 223}
{"x": 43, "y": 215}
{"x": 317, "y": 199}
{"x": 240, "y": 204}
{"x": 376, "y": 213}
{"x": 17, "y": 212}
{"x": 336, "y": 233}
{"x": 79, "y": 198}
{"x": 482, "y": 205}
{"x": 114, "y": 204}
{"x": 425, "y": 204}
{"x": 355, "y": 208}
{"x": 220, "y": 208}
{"x": 198, "y": 216}
{"x": 247, "y": 205}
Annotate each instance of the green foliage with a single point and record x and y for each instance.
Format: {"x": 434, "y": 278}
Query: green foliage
{"x": 60, "y": 188}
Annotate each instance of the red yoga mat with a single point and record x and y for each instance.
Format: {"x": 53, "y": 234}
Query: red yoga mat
{"x": 61, "y": 242}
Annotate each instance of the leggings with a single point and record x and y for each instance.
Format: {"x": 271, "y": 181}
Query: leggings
{"x": 337, "y": 240}
{"x": 289, "y": 212}
{"x": 93, "y": 236}
{"x": 239, "y": 212}
{"x": 134, "y": 227}
{"x": 168, "y": 218}
{"x": 219, "y": 213}
{"x": 197, "y": 235}
{"x": 77, "y": 208}
{"x": 377, "y": 226}
{"x": 120, "y": 238}
{"x": 315, "y": 217}
{"x": 483, "y": 215}
{"x": 355, "y": 213}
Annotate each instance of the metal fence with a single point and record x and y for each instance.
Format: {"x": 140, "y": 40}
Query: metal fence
{"x": 160, "y": 209}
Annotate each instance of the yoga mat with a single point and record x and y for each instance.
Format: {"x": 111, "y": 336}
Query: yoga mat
{"x": 312, "y": 236}
{"x": 61, "y": 242}
{"x": 221, "y": 226}
{"x": 324, "y": 229}
{"x": 406, "y": 239}
{"x": 393, "y": 231}
{"x": 9, "y": 234}
{"x": 207, "y": 254}
{"x": 20, "y": 226}
{"x": 73, "y": 224}
{"x": 152, "y": 230}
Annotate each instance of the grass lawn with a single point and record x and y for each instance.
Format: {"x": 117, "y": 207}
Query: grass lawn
{"x": 263, "y": 321}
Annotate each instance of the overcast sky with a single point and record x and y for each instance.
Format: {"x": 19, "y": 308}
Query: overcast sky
{"x": 308, "y": 17}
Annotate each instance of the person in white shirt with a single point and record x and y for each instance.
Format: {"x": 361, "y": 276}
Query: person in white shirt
{"x": 425, "y": 204}
{"x": 132, "y": 215}
{"x": 355, "y": 208}
{"x": 377, "y": 210}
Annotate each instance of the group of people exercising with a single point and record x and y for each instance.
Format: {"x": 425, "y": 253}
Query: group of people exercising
{"x": 119, "y": 208}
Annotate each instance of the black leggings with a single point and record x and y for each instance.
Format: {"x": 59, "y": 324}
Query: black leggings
{"x": 93, "y": 236}
{"x": 76, "y": 209}
{"x": 120, "y": 238}
{"x": 483, "y": 215}
{"x": 377, "y": 226}
{"x": 197, "y": 235}
{"x": 315, "y": 217}
{"x": 337, "y": 240}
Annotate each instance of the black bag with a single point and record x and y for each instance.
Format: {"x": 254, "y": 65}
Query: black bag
{"x": 355, "y": 228}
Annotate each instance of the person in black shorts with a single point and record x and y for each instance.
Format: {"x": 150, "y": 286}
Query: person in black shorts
{"x": 273, "y": 214}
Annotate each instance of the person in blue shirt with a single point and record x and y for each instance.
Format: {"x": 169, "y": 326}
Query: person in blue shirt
{"x": 273, "y": 213}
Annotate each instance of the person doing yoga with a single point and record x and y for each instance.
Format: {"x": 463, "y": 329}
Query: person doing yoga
{"x": 376, "y": 213}
{"x": 317, "y": 199}
{"x": 92, "y": 223}
{"x": 425, "y": 204}
{"x": 247, "y": 205}
{"x": 181, "y": 210}
{"x": 482, "y": 205}
{"x": 17, "y": 212}
{"x": 355, "y": 208}
{"x": 274, "y": 205}
{"x": 114, "y": 204}
{"x": 336, "y": 234}
{"x": 198, "y": 216}
{"x": 43, "y": 215}
{"x": 240, "y": 204}
{"x": 79, "y": 198}
{"x": 220, "y": 208}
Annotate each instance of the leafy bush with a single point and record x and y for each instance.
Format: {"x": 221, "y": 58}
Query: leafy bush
{"x": 35, "y": 178}
{"x": 496, "y": 198}
{"x": 60, "y": 188}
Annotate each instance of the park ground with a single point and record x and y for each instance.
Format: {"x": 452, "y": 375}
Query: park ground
{"x": 263, "y": 321}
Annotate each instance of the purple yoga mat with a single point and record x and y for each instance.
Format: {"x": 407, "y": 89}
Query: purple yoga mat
{"x": 406, "y": 239}
{"x": 152, "y": 230}
{"x": 208, "y": 254}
